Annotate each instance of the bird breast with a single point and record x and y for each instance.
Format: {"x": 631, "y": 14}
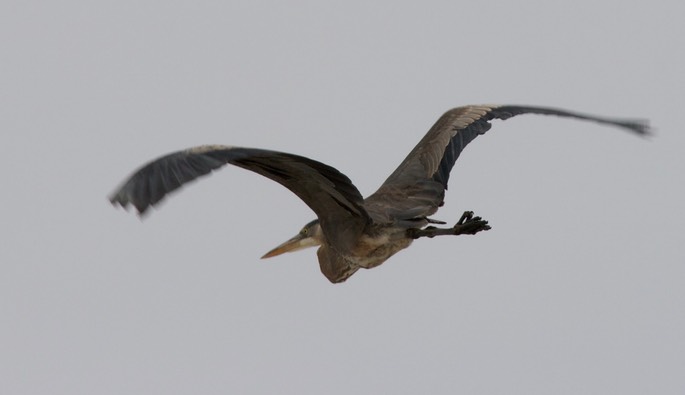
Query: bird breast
{"x": 371, "y": 251}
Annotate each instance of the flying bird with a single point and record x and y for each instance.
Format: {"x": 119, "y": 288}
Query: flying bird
{"x": 351, "y": 232}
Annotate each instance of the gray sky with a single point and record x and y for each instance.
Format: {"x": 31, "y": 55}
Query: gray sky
{"x": 577, "y": 289}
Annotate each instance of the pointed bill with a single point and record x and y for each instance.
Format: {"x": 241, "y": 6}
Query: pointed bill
{"x": 296, "y": 243}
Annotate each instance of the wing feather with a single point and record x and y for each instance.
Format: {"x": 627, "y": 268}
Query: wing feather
{"x": 417, "y": 187}
{"x": 328, "y": 192}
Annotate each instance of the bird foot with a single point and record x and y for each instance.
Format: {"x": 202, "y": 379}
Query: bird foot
{"x": 467, "y": 225}
{"x": 470, "y": 225}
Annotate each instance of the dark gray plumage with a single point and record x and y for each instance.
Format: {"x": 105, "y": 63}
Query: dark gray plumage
{"x": 352, "y": 232}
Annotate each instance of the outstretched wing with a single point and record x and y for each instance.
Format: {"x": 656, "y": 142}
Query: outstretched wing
{"x": 329, "y": 193}
{"x": 417, "y": 187}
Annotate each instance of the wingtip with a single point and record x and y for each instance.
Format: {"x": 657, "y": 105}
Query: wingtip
{"x": 116, "y": 200}
{"x": 641, "y": 127}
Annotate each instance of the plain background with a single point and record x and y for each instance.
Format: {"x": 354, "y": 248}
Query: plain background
{"x": 578, "y": 288}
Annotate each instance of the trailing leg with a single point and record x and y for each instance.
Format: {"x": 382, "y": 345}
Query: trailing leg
{"x": 467, "y": 225}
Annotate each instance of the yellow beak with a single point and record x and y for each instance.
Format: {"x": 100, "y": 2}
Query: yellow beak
{"x": 296, "y": 243}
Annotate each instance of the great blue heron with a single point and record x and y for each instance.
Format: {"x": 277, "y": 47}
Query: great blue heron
{"x": 351, "y": 232}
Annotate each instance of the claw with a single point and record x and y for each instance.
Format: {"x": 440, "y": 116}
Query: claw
{"x": 468, "y": 224}
{"x": 467, "y": 216}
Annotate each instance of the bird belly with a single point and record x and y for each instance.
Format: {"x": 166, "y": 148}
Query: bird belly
{"x": 372, "y": 251}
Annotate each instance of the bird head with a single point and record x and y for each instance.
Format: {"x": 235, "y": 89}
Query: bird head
{"x": 310, "y": 236}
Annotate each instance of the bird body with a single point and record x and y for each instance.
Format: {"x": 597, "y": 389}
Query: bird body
{"x": 351, "y": 232}
{"x": 372, "y": 249}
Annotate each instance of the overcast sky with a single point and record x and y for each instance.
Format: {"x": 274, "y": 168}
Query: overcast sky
{"x": 577, "y": 289}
